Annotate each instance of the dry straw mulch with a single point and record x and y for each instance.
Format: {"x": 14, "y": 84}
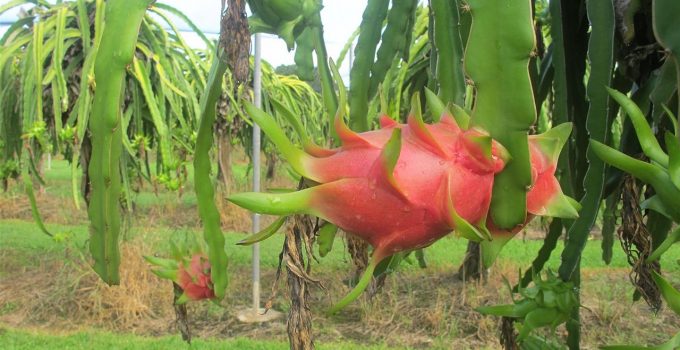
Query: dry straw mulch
{"x": 422, "y": 308}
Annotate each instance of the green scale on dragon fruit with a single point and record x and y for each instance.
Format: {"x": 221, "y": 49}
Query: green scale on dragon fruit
{"x": 405, "y": 186}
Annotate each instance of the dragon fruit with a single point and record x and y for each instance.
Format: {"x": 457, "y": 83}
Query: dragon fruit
{"x": 404, "y": 186}
{"x": 195, "y": 279}
{"x": 192, "y": 275}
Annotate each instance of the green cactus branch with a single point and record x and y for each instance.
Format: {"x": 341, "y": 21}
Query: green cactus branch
{"x": 449, "y": 46}
{"x": 496, "y": 59}
{"x": 601, "y": 57}
{"x": 330, "y": 101}
{"x": 123, "y": 19}
{"x": 371, "y": 26}
{"x": 667, "y": 32}
{"x": 205, "y": 192}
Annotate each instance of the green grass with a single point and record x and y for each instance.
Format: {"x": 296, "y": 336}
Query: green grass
{"x": 26, "y": 238}
{"x": 13, "y": 339}
{"x": 58, "y": 180}
{"x": 58, "y": 177}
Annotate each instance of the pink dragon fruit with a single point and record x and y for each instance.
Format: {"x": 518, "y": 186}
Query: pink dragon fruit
{"x": 406, "y": 185}
{"x": 192, "y": 275}
{"x": 195, "y": 279}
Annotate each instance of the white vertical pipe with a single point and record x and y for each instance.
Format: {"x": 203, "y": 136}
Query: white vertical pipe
{"x": 257, "y": 89}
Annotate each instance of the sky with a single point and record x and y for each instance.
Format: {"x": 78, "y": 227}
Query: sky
{"x": 340, "y": 19}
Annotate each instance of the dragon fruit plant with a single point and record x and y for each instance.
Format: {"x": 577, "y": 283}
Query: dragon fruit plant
{"x": 548, "y": 302}
{"x": 405, "y": 186}
{"x": 662, "y": 173}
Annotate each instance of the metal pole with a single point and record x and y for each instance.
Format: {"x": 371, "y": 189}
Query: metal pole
{"x": 257, "y": 89}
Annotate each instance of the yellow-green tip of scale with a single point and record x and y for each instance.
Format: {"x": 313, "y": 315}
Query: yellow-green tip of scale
{"x": 274, "y": 203}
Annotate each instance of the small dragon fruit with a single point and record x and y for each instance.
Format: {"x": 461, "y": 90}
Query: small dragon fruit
{"x": 195, "y": 279}
{"x": 406, "y": 185}
{"x": 191, "y": 275}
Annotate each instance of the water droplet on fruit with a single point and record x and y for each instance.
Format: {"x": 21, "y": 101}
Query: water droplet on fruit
{"x": 373, "y": 195}
{"x": 276, "y": 200}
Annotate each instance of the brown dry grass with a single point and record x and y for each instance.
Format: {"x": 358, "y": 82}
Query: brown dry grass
{"x": 65, "y": 293}
{"x": 52, "y": 209}
{"x": 432, "y": 308}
